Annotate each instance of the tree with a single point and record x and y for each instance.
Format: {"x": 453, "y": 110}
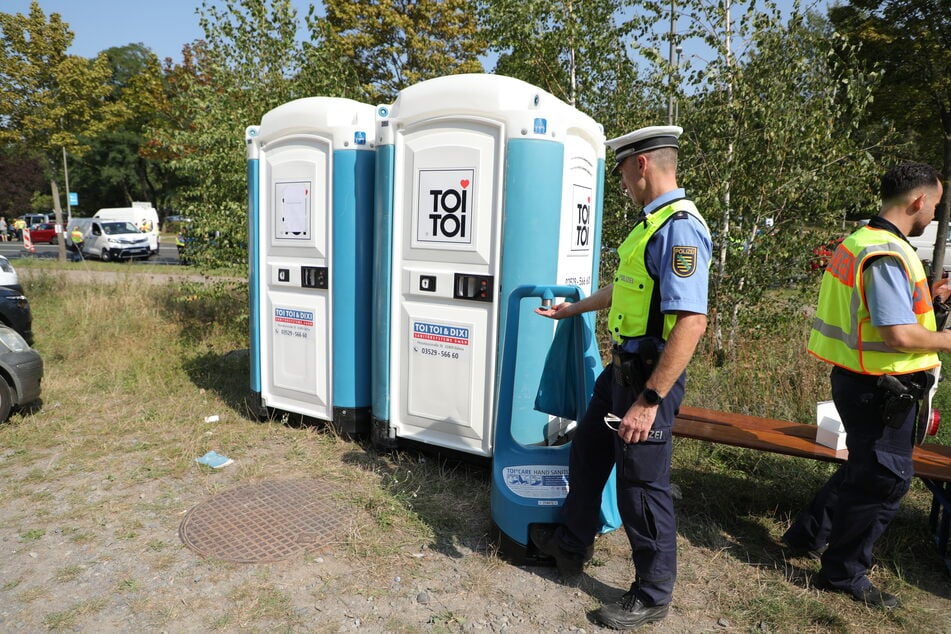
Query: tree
{"x": 909, "y": 42}
{"x": 392, "y": 44}
{"x": 770, "y": 151}
{"x": 248, "y": 64}
{"x": 577, "y": 51}
{"x": 119, "y": 167}
{"x": 572, "y": 49}
{"x": 21, "y": 177}
{"x": 50, "y": 100}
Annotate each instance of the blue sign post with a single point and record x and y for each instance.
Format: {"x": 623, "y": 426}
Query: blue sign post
{"x": 73, "y": 199}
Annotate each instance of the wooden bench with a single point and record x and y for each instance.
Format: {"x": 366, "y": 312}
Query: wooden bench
{"x": 932, "y": 462}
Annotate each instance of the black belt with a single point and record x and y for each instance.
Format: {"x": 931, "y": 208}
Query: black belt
{"x": 872, "y": 379}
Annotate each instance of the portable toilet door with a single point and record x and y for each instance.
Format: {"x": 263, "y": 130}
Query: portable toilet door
{"x": 484, "y": 183}
{"x": 310, "y": 203}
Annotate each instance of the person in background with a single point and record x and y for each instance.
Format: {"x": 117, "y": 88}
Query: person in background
{"x": 76, "y": 237}
{"x": 658, "y": 305}
{"x": 3, "y": 229}
{"x": 876, "y": 326}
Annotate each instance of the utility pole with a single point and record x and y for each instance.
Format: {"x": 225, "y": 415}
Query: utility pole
{"x": 69, "y": 210}
{"x": 670, "y": 61}
{"x": 680, "y": 50}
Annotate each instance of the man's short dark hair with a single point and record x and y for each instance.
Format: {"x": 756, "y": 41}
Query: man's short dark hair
{"x": 907, "y": 177}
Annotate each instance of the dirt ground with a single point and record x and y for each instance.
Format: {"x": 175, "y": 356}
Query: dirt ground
{"x": 123, "y": 568}
{"x": 329, "y": 590}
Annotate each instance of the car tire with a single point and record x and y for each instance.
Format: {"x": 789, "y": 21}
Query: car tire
{"x": 6, "y": 400}
{"x": 53, "y": 240}
{"x": 104, "y": 256}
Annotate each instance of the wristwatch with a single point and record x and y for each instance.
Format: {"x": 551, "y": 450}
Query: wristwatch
{"x": 652, "y": 397}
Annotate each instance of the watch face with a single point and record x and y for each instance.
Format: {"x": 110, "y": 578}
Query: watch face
{"x": 652, "y": 397}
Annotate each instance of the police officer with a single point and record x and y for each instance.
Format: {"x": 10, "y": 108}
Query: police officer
{"x": 874, "y": 318}
{"x": 658, "y": 305}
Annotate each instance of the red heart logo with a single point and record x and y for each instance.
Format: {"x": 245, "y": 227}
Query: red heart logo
{"x": 465, "y": 183}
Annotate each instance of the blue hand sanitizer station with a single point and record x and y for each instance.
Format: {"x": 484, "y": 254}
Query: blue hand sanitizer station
{"x": 488, "y": 198}
{"x": 310, "y": 206}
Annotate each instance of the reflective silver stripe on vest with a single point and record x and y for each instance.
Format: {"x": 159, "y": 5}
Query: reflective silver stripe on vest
{"x": 852, "y": 339}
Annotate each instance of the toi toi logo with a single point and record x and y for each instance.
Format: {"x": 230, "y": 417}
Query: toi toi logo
{"x": 449, "y": 211}
{"x": 581, "y": 220}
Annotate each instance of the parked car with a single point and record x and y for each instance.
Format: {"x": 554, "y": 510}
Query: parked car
{"x": 924, "y": 246}
{"x": 44, "y": 232}
{"x": 21, "y": 371}
{"x": 8, "y": 275}
{"x": 32, "y": 220}
{"x": 822, "y": 254}
{"x": 15, "y": 312}
{"x": 175, "y": 220}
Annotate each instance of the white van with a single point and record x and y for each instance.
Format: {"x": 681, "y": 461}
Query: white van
{"x": 142, "y": 216}
{"x": 111, "y": 239}
{"x": 924, "y": 245}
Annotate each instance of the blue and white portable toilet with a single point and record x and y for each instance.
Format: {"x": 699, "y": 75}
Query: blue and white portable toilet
{"x": 486, "y": 185}
{"x": 310, "y": 210}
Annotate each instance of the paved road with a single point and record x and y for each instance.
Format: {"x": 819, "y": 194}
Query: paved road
{"x": 167, "y": 254}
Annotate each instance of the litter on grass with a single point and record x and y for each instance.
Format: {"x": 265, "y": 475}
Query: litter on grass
{"x": 214, "y": 460}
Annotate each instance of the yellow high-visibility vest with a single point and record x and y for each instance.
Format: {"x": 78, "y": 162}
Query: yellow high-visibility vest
{"x": 842, "y": 333}
{"x": 635, "y": 302}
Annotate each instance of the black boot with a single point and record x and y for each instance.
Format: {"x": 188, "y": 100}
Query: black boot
{"x": 629, "y": 612}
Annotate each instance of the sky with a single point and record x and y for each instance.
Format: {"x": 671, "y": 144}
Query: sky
{"x": 161, "y": 25}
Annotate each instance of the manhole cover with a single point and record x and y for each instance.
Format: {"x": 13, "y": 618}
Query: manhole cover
{"x": 267, "y": 521}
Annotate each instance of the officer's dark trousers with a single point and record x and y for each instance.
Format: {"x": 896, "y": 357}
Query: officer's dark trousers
{"x": 859, "y": 501}
{"x": 643, "y": 486}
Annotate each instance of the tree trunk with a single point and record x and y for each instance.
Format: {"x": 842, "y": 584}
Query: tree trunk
{"x": 58, "y": 210}
{"x": 944, "y": 207}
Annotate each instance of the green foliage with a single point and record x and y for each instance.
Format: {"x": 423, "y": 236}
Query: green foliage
{"x": 41, "y": 203}
{"x": 909, "y": 43}
{"x": 770, "y": 152}
{"x": 578, "y": 52}
{"x": 120, "y": 166}
{"x": 248, "y": 64}
{"x": 392, "y": 44}
{"x": 22, "y": 177}
{"x": 574, "y": 50}
{"x": 50, "y": 99}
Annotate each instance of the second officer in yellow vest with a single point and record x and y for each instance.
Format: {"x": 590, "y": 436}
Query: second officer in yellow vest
{"x": 658, "y": 303}
{"x": 876, "y": 326}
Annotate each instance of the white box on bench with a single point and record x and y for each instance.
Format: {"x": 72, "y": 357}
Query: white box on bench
{"x": 829, "y": 429}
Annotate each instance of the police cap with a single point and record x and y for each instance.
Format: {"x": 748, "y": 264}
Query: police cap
{"x": 643, "y": 140}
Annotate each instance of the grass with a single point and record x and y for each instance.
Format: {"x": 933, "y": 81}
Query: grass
{"x": 31, "y": 262}
{"x": 103, "y": 471}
